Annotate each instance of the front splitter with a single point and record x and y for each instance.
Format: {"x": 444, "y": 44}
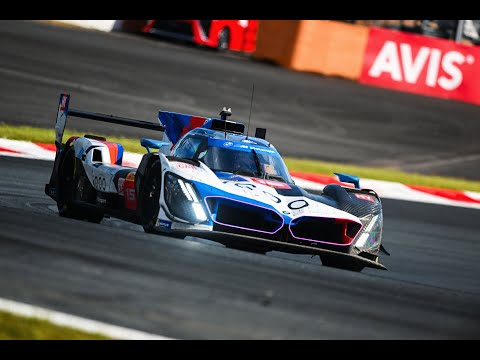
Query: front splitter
{"x": 239, "y": 241}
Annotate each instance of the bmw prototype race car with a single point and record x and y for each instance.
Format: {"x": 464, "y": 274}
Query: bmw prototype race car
{"x": 209, "y": 179}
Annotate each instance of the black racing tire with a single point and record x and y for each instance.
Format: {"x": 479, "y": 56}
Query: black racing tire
{"x": 341, "y": 263}
{"x": 69, "y": 191}
{"x": 149, "y": 196}
{"x": 68, "y": 185}
{"x": 223, "y": 39}
{"x": 95, "y": 218}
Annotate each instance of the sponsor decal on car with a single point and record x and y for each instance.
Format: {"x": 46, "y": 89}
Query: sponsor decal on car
{"x": 164, "y": 223}
{"x": 262, "y": 149}
{"x": 365, "y": 197}
{"x": 182, "y": 165}
{"x": 121, "y": 182}
{"x": 273, "y": 184}
{"x": 129, "y": 192}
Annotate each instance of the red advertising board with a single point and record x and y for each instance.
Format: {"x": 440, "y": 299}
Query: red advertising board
{"x": 422, "y": 65}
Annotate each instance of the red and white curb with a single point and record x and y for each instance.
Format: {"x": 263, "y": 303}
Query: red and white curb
{"x": 395, "y": 190}
{"x": 40, "y": 151}
{"x": 385, "y": 189}
{"x": 75, "y": 322}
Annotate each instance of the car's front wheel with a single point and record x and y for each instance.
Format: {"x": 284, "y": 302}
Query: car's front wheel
{"x": 149, "y": 197}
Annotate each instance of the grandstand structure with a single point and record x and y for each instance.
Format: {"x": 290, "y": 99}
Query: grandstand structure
{"x": 464, "y": 31}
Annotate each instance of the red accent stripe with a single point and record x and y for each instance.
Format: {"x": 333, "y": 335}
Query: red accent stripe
{"x": 195, "y": 122}
{"x": 318, "y": 178}
{"x": 445, "y": 193}
{"x": 113, "y": 150}
{"x": 50, "y": 147}
{"x": 10, "y": 151}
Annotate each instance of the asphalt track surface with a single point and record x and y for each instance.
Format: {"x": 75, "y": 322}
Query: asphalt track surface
{"x": 306, "y": 115}
{"x": 197, "y": 289}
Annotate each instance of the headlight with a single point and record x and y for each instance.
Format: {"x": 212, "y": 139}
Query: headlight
{"x": 371, "y": 234}
{"x": 182, "y": 199}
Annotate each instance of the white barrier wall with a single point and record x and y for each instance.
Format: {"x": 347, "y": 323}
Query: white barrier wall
{"x": 102, "y": 25}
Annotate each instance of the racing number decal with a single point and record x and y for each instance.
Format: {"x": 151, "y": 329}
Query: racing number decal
{"x": 297, "y": 204}
{"x": 129, "y": 192}
{"x": 99, "y": 182}
{"x": 294, "y": 205}
{"x": 272, "y": 197}
{"x": 245, "y": 185}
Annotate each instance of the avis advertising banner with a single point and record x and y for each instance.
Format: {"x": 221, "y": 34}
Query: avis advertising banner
{"x": 422, "y": 65}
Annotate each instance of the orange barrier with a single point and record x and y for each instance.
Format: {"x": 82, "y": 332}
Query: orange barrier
{"x": 322, "y": 46}
{"x": 276, "y": 41}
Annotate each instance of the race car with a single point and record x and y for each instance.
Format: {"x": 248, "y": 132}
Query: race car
{"x": 210, "y": 179}
{"x": 234, "y": 35}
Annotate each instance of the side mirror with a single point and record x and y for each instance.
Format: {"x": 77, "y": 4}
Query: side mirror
{"x": 260, "y": 133}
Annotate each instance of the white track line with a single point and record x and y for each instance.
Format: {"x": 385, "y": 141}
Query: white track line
{"x": 63, "y": 319}
{"x": 102, "y": 25}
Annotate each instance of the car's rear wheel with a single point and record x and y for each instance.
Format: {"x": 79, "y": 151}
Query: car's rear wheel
{"x": 68, "y": 185}
{"x": 73, "y": 188}
{"x": 149, "y": 196}
{"x": 341, "y": 263}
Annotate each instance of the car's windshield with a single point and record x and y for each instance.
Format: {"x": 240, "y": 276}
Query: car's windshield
{"x": 242, "y": 158}
{"x": 249, "y": 162}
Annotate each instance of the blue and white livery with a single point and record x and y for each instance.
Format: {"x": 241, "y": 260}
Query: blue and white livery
{"x": 209, "y": 179}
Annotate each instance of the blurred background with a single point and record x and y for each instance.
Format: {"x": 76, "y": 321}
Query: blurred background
{"x": 242, "y": 33}
{"x": 345, "y": 48}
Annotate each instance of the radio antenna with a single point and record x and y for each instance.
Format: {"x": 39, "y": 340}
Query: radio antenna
{"x": 225, "y": 125}
{"x": 251, "y": 103}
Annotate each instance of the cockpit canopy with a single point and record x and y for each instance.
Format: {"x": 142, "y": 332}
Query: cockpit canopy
{"x": 233, "y": 153}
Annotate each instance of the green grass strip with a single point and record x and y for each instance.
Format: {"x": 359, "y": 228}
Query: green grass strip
{"x": 13, "y": 327}
{"x": 388, "y": 174}
{"x": 382, "y": 173}
{"x": 28, "y": 133}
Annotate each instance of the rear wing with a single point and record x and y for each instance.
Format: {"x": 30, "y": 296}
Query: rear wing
{"x": 178, "y": 124}
{"x": 63, "y": 112}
